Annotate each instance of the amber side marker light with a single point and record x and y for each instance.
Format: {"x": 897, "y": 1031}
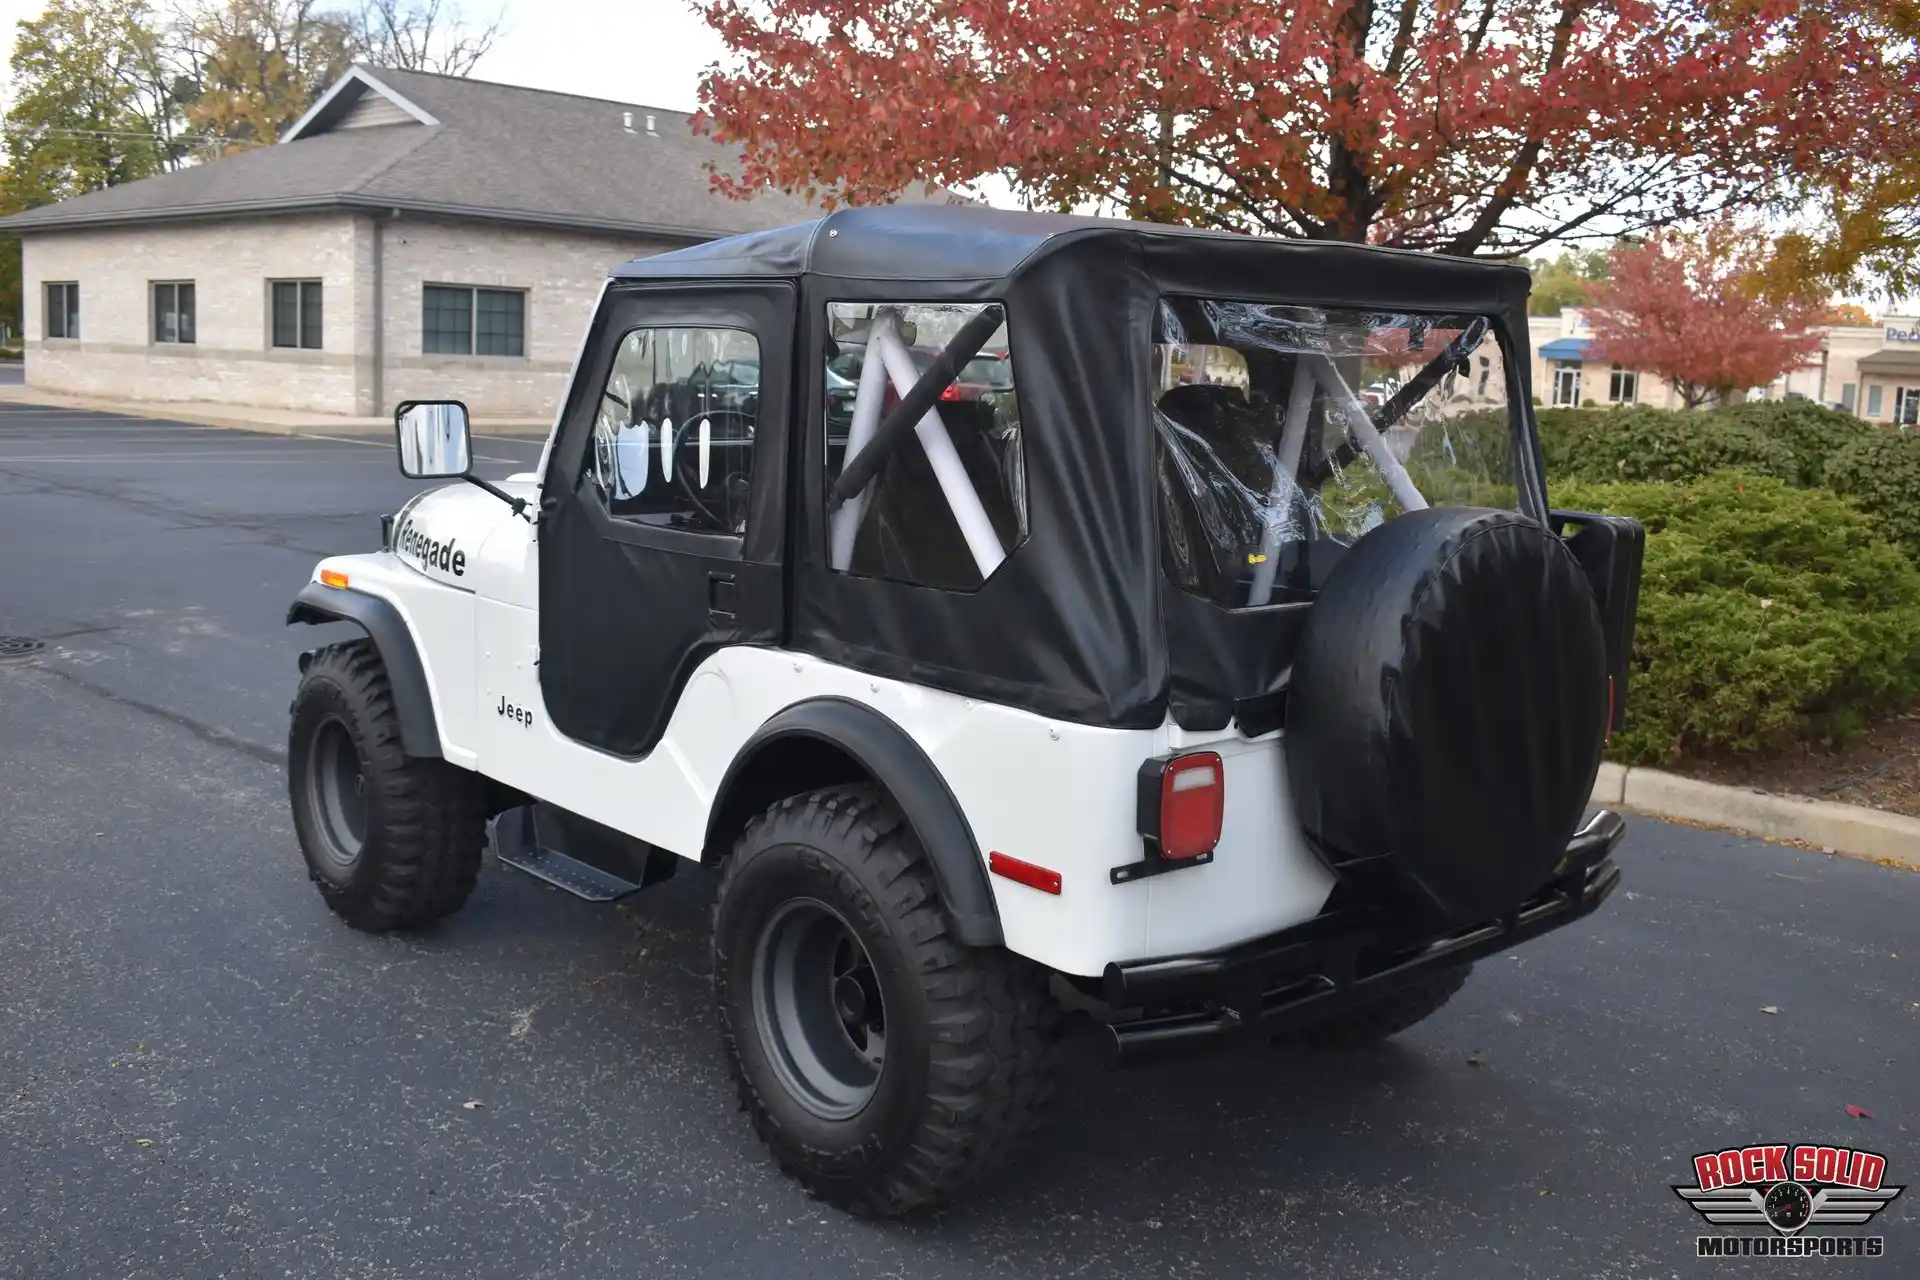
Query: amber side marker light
{"x": 333, "y": 578}
{"x": 1024, "y": 873}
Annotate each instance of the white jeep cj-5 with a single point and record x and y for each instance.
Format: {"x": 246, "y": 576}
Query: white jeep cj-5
{"x": 1024, "y": 614}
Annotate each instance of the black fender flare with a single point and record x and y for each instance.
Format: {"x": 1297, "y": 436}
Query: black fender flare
{"x": 412, "y": 701}
{"x": 777, "y": 760}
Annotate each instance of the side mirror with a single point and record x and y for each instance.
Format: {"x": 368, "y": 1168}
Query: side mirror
{"x": 433, "y": 439}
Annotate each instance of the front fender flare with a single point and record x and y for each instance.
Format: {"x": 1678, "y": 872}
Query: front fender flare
{"x": 885, "y": 752}
{"x": 412, "y": 700}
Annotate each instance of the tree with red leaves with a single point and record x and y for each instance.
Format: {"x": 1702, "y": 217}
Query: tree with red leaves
{"x": 1694, "y": 310}
{"x": 1463, "y": 126}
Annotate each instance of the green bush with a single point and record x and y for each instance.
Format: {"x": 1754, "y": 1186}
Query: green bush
{"x": 1812, "y": 432}
{"x": 1767, "y": 614}
{"x": 1561, "y": 431}
{"x": 1659, "y": 444}
{"x": 1880, "y": 474}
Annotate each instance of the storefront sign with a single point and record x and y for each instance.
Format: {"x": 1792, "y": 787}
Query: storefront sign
{"x": 1903, "y": 335}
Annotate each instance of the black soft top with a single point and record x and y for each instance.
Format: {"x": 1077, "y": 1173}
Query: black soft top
{"x": 1079, "y": 623}
{"x": 973, "y": 242}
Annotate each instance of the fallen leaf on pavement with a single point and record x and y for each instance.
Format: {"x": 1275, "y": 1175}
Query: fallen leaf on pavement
{"x": 473, "y": 1106}
{"x": 1476, "y": 1059}
{"x": 1859, "y": 1113}
{"x": 1769, "y": 1008}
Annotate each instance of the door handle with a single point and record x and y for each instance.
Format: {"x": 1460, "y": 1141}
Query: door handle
{"x": 720, "y": 595}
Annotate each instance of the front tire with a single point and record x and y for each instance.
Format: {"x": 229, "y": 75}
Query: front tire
{"x": 390, "y": 840}
{"x": 886, "y": 1065}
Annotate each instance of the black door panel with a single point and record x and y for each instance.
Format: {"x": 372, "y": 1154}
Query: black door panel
{"x": 634, "y": 596}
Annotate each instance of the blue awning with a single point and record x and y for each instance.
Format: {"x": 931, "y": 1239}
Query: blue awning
{"x": 1565, "y": 349}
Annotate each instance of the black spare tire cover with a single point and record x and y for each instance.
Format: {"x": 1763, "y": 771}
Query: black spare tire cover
{"x": 1447, "y": 711}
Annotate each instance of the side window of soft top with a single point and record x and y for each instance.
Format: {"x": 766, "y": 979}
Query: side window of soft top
{"x": 949, "y": 502}
{"x": 673, "y": 433}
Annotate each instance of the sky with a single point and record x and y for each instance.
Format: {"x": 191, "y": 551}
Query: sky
{"x": 648, "y": 52}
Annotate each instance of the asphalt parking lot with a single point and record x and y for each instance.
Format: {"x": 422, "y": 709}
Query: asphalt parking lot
{"x": 203, "y": 1073}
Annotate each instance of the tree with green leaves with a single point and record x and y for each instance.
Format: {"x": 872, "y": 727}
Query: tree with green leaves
{"x": 1565, "y": 281}
{"x": 91, "y": 107}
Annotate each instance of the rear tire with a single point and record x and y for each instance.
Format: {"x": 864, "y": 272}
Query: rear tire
{"x": 886, "y": 1065}
{"x": 1388, "y": 1016}
{"x": 391, "y": 841}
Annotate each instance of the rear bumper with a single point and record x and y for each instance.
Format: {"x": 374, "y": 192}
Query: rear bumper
{"x": 1332, "y": 962}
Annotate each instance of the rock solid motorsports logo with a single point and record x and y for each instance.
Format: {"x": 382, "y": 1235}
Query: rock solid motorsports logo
{"x": 1790, "y": 1189}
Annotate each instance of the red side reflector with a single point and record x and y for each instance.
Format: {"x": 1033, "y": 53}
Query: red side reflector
{"x": 1193, "y": 802}
{"x": 1024, "y": 873}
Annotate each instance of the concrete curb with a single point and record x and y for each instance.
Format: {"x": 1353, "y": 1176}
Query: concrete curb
{"x": 1836, "y": 828}
{"x": 273, "y": 422}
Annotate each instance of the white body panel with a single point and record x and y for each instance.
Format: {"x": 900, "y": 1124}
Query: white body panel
{"x": 1048, "y": 792}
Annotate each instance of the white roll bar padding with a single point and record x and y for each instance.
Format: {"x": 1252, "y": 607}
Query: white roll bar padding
{"x": 1286, "y": 483}
{"x": 632, "y": 451}
{"x": 962, "y": 498}
{"x": 1399, "y": 483}
{"x": 866, "y": 416}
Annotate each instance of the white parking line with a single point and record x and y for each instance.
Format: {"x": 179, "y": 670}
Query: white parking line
{"x": 97, "y": 437}
{"x": 184, "y": 457}
{"x": 388, "y": 446}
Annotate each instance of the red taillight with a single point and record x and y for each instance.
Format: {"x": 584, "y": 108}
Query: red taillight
{"x": 1183, "y": 799}
{"x": 952, "y": 392}
{"x": 1026, "y": 873}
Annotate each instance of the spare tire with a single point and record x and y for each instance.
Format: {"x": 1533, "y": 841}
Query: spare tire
{"x": 1447, "y": 710}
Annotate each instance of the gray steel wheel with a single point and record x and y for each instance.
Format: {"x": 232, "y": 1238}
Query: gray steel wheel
{"x": 337, "y": 792}
{"x": 818, "y": 1009}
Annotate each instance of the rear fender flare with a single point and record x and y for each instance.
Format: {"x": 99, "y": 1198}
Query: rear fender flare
{"x": 412, "y": 699}
{"x": 824, "y": 741}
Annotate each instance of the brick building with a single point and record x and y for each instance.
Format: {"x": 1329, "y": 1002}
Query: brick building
{"x": 1870, "y": 371}
{"x": 411, "y": 236}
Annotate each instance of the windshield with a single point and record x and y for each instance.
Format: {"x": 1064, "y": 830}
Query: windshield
{"x": 1287, "y": 432}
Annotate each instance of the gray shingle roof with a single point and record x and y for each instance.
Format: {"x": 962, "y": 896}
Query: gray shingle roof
{"x": 498, "y": 152}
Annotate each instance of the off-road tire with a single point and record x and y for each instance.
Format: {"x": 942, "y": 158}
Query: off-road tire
{"x": 425, "y": 819}
{"x": 971, "y": 1032}
{"x": 1388, "y": 1016}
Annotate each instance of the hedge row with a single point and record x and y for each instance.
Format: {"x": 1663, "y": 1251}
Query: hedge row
{"x": 1802, "y": 444}
{"x": 1767, "y": 614}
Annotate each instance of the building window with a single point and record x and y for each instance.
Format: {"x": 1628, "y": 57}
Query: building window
{"x": 1623, "y": 386}
{"x": 1876, "y": 401}
{"x": 673, "y": 441}
{"x": 1906, "y": 406}
{"x": 1566, "y": 385}
{"x": 296, "y": 313}
{"x": 173, "y": 311}
{"x": 460, "y": 321}
{"x": 1849, "y": 396}
{"x": 63, "y": 311}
